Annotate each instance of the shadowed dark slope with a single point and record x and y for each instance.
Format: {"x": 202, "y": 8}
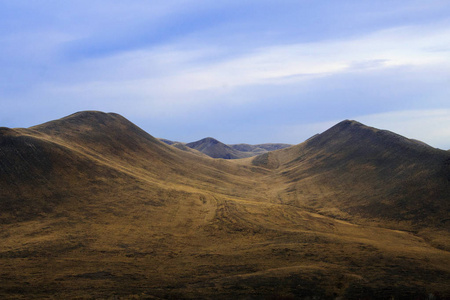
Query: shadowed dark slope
{"x": 37, "y": 174}
{"x": 368, "y": 172}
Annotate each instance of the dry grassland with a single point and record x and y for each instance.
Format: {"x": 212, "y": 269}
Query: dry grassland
{"x": 94, "y": 208}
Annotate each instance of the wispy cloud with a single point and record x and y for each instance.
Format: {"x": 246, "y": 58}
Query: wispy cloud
{"x": 172, "y": 75}
{"x": 253, "y": 64}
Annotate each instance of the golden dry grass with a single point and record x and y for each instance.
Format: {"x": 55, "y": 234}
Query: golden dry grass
{"x": 117, "y": 214}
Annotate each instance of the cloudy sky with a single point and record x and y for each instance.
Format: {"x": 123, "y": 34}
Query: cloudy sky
{"x": 250, "y": 71}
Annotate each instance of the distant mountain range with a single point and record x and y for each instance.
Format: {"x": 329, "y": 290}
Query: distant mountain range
{"x": 93, "y": 207}
{"x": 216, "y": 149}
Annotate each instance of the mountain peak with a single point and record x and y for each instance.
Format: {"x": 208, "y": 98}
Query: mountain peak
{"x": 212, "y": 147}
{"x": 97, "y": 130}
{"x": 85, "y": 120}
{"x": 352, "y": 126}
{"x": 205, "y": 143}
{"x": 348, "y": 122}
{"x": 356, "y": 141}
{"x": 87, "y": 114}
{"x": 91, "y": 117}
{"x": 216, "y": 149}
{"x": 352, "y": 133}
{"x": 210, "y": 140}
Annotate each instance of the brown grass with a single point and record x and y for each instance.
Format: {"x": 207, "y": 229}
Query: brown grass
{"x": 108, "y": 212}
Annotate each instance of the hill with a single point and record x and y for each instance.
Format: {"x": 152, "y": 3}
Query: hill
{"x": 216, "y": 149}
{"x": 92, "y": 149}
{"x": 363, "y": 171}
{"x": 259, "y": 148}
{"x": 91, "y": 206}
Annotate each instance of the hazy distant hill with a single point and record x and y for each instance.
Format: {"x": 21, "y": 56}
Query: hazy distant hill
{"x": 93, "y": 207}
{"x": 260, "y": 148}
{"x": 216, "y": 149}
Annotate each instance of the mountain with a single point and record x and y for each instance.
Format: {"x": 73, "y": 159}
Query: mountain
{"x": 260, "y": 148}
{"x": 216, "y": 149}
{"x": 58, "y": 160}
{"x": 366, "y": 172}
{"x": 93, "y": 207}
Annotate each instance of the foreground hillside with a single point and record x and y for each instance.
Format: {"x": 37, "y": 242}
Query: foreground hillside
{"x": 93, "y": 207}
{"x": 365, "y": 172}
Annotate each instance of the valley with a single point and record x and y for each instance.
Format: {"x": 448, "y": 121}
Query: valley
{"x": 93, "y": 207}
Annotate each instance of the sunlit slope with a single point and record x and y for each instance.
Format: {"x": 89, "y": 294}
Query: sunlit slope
{"x": 94, "y": 207}
{"x": 118, "y": 143}
{"x": 87, "y": 154}
{"x": 354, "y": 170}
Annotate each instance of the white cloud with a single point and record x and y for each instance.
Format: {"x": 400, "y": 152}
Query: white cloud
{"x": 178, "y": 61}
{"x": 412, "y": 46}
{"x": 175, "y": 76}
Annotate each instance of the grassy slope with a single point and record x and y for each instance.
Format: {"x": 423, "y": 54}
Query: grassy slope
{"x": 366, "y": 172}
{"x": 106, "y": 209}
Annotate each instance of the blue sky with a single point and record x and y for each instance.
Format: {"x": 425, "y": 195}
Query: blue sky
{"x": 240, "y": 71}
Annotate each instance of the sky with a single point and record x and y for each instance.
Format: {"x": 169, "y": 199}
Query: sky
{"x": 247, "y": 71}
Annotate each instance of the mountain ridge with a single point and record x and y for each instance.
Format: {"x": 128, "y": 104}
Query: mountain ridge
{"x": 216, "y": 149}
{"x": 93, "y": 206}
{"x": 376, "y": 164}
